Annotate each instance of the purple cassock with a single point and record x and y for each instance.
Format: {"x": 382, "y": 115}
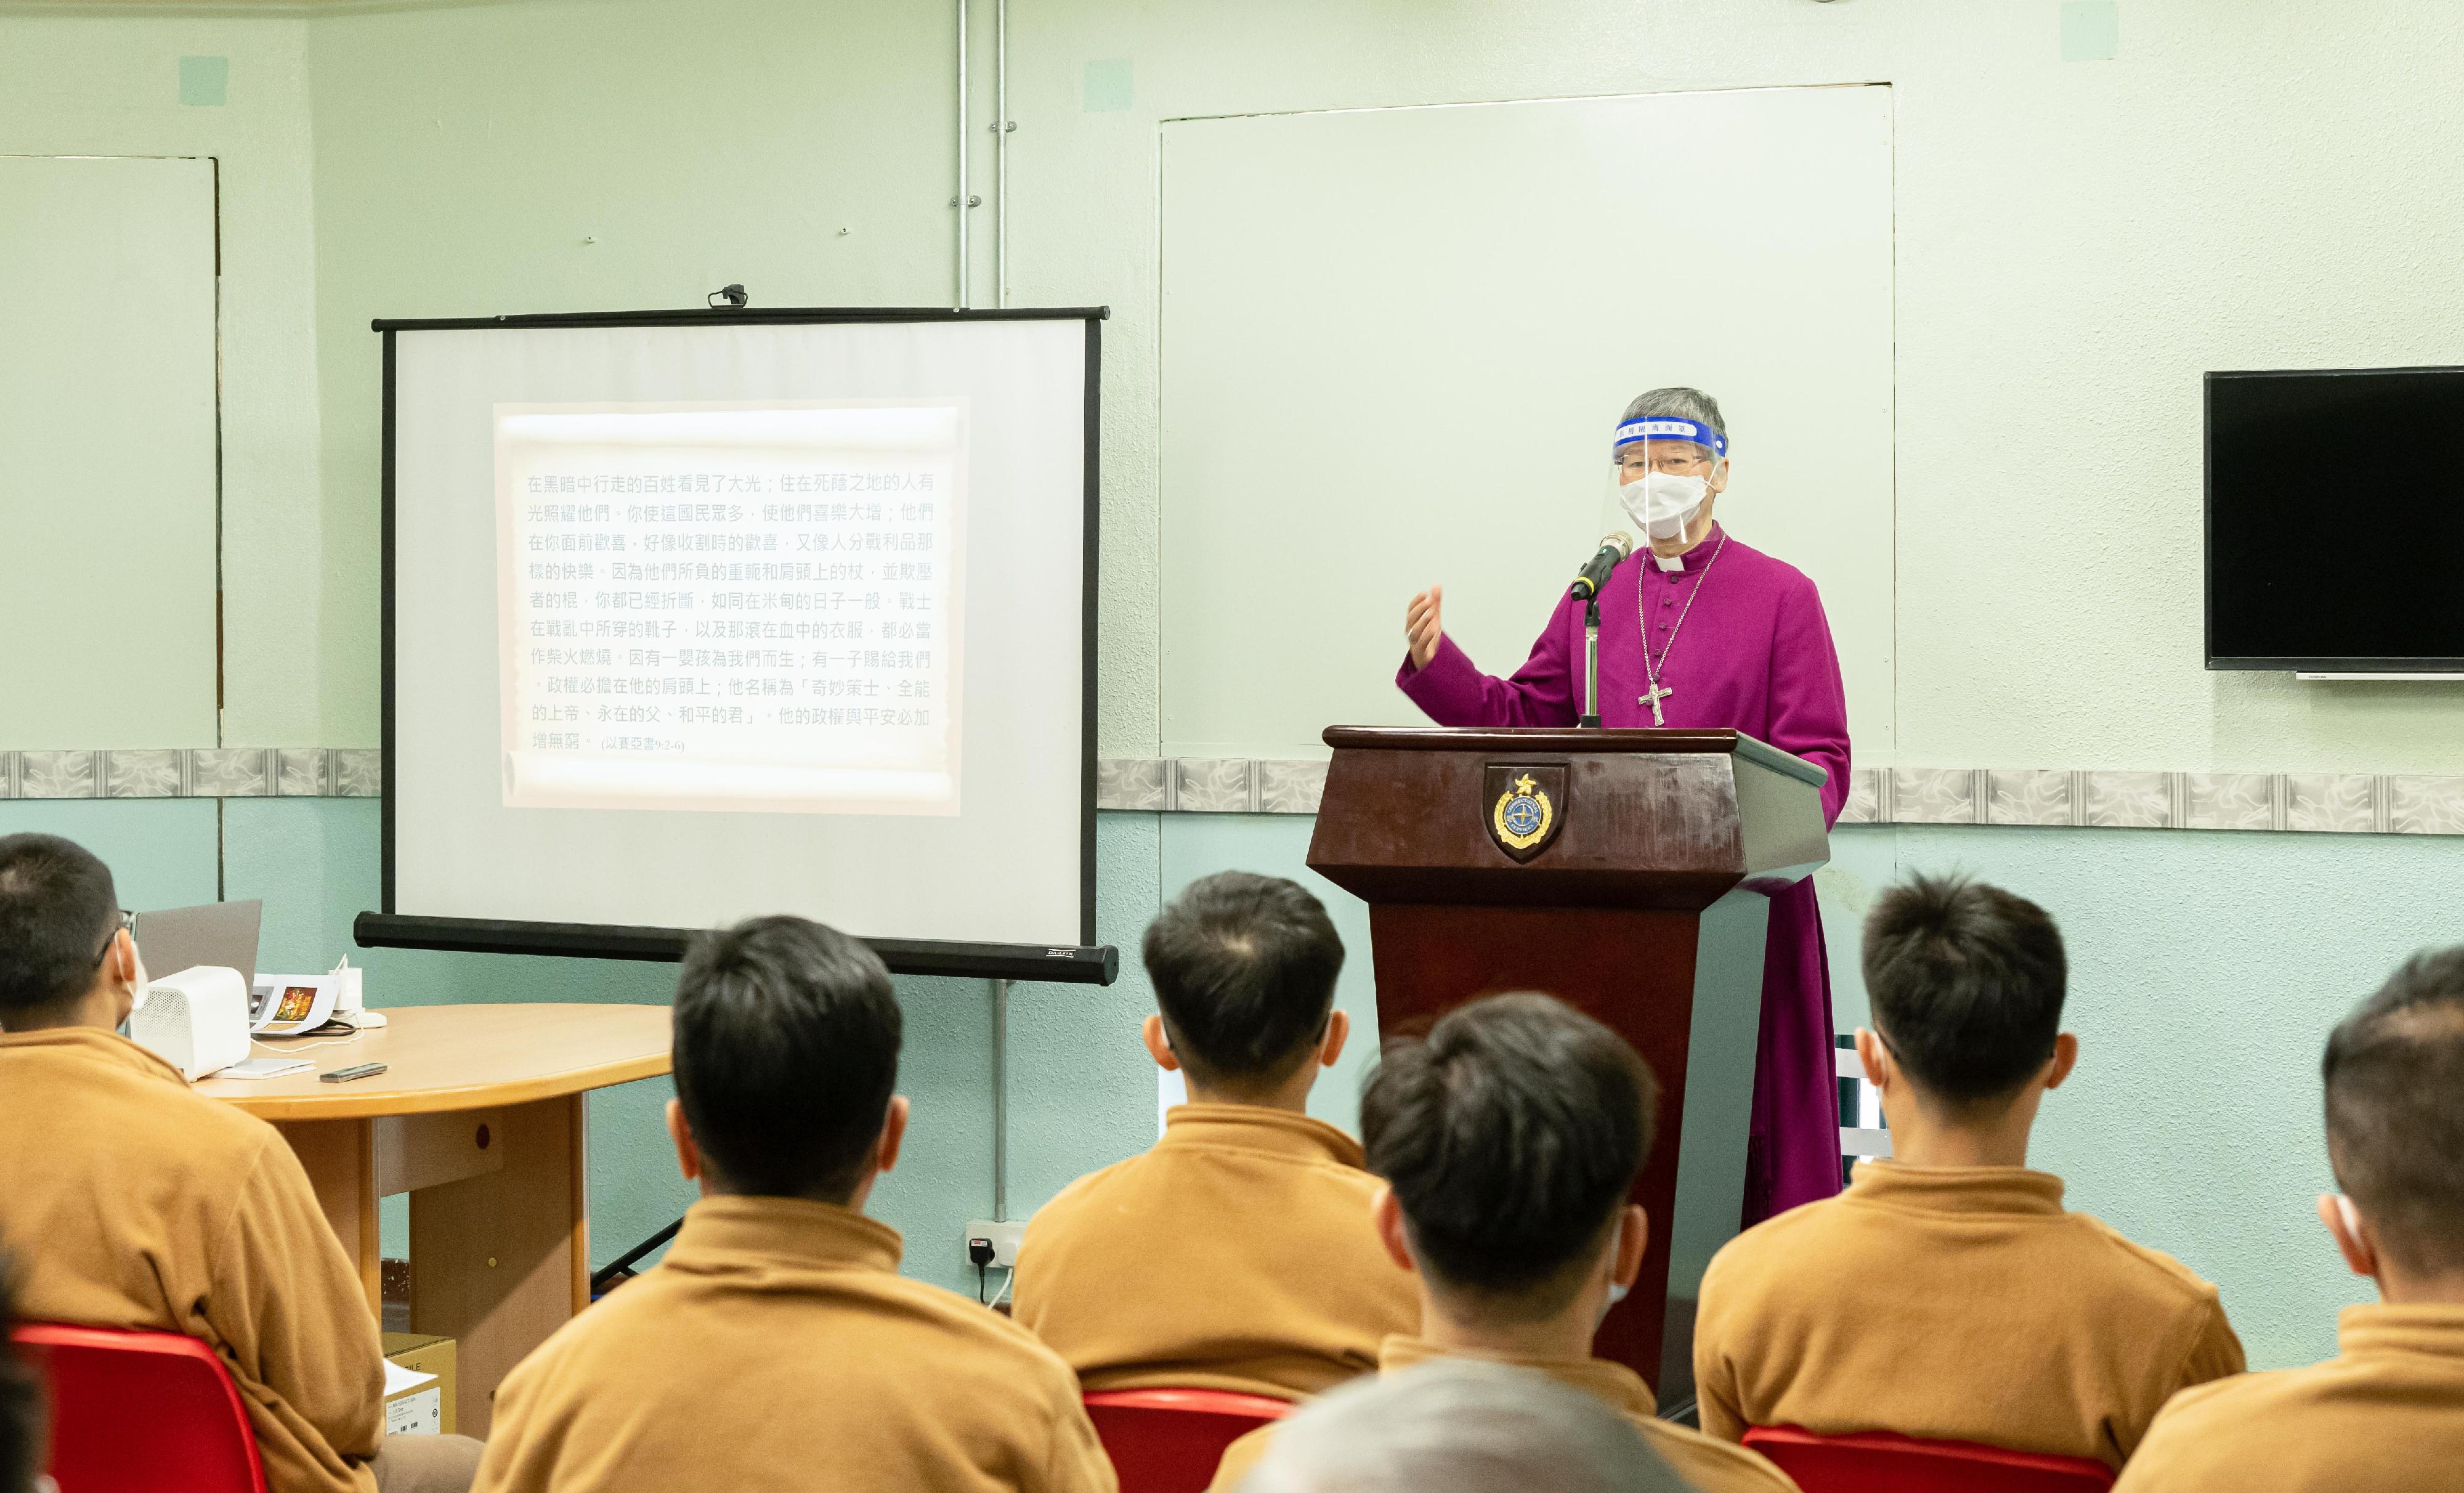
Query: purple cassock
{"x": 1752, "y": 653}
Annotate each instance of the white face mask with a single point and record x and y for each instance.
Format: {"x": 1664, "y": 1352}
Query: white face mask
{"x": 2352, "y": 1216}
{"x": 137, "y": 987}
{"x": 1663, "y": 503}
{"x": 1616, "y": 1292}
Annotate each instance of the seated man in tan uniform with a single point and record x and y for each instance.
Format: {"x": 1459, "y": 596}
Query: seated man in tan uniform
{"x": 1947, "y": 1294}
{"x": 1510, "y": 1139}
{"x": 776, "y": 1345}
{"x": 128, "y": 1200}
{"x": 1237, "y": 1253}
{"x": 2388, "y": 1411}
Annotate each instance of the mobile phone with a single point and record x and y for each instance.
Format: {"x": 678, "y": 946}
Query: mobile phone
{"x": 365, "y": 1070}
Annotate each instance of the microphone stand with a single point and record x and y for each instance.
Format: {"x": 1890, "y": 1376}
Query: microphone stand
{"x": 1614, "y": 550}
{"x": 1591, "y": 661}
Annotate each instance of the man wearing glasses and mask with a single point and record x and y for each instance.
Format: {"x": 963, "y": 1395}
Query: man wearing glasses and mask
{"x": 1698, "y": 631}
{"x": 128, "y": 1200}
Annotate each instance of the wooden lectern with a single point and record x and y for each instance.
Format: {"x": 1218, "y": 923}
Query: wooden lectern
{"x": 1623, "y": 871}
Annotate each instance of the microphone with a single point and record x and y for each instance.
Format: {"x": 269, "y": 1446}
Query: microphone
{"x": 1614, "y": 548}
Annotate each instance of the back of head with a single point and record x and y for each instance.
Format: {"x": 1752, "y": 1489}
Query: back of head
{"x": 1244, "y": 968}
{"x": 1966, "y": 983}
{"x": 786, "y": 1052}
{"x": 57, "y": 912}
{"x": 2394, "y": 1071}
{"x": 1458, "y": 1426}
{"x": 1511, "y": 1135}
{"x": 22, "y": 1418}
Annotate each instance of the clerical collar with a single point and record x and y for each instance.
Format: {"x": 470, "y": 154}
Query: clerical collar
{"x": 1677, "y": 561}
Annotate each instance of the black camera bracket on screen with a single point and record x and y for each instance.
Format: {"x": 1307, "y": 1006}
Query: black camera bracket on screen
{"x": 1085, "y": 962}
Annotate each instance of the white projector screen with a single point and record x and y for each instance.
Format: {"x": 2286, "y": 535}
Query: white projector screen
{"x": 692, "y": 620}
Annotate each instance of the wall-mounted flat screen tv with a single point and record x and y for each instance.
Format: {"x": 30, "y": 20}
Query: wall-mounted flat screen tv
{"x": 2335, "y": 521}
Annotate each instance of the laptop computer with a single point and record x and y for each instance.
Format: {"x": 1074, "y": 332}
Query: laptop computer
{"x": 221, "y": 934}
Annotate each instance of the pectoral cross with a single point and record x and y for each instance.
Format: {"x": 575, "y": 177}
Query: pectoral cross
{"x": 1652, "y": 698}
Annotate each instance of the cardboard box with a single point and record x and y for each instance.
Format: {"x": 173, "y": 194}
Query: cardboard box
{"x": 419, "y": 1384}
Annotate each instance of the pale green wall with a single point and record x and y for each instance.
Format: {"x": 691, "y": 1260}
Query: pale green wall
{"x": 463, "y": 155}
{"x": 162, "y": 852}
{"x": 85, "y": 83}
{"x": 2251, "y": 183}
{"x": 2077, "y": 241}
{"x": 571, "y": 156}
{"x": 107, "y": 308}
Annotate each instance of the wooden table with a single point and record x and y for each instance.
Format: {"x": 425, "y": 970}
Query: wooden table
{"x": 480, "y": 1118}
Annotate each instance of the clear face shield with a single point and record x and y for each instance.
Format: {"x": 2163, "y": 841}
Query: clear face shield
{"x": 1666, "y": 469}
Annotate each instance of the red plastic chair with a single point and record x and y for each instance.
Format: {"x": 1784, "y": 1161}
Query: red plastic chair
{"x": 1885, "y": 1461}
{"x": 1166, "y": 1441}
{"x": 134, "y": 1412}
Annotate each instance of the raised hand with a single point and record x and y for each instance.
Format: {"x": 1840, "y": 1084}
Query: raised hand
{"x": 1421, "y": 627}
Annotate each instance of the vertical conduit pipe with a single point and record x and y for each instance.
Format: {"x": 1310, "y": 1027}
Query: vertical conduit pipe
{"x": 1000, "y": 1101}
{"x": 958, "y": 197}
{"x": 1001, "y": 126}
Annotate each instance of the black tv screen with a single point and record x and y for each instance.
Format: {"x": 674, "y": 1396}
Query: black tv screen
{"x": 2336, "y": 520}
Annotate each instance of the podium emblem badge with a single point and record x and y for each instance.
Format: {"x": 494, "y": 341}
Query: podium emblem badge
{"x": 1523, "y": 813}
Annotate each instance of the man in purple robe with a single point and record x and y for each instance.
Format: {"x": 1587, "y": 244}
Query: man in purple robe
{"x": 1697, "y": 631}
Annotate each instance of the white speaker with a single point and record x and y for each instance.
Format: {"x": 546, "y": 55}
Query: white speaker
{"x": 196, "y": 1020}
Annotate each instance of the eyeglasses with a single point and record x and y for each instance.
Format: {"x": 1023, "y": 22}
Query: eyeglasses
{"x": 127, "y": 924}
{"x": 1672, "y": 456}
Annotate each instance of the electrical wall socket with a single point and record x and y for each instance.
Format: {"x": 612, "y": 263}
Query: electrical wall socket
{"x": 1004, "y": 1237}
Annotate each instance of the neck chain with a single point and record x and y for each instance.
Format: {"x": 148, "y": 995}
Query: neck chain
{"x": 1658, "y": 691}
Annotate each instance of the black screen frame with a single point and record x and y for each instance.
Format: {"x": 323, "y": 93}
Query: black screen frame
{"x": 2416, "y": 664}
{"x": 1086, "y": 963}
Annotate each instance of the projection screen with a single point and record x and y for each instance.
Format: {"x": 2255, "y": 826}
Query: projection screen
{"x": 690, "y": 617}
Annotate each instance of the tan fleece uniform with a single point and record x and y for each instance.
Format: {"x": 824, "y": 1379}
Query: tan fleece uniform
{"x": 2387, "y": 1414}
{"x": 1707, "y": 1465}
{"x": 778, "y": 1347}
{"x": 1959, "y": 1303}
{"x": 1238, "y": 1253}
{"x": 130, "y": 1201}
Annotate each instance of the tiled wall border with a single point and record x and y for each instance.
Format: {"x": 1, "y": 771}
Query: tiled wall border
{"x": 1209, "y": 785}
{"x": 2344, "y": 803}
{"x": 194, "y": 773}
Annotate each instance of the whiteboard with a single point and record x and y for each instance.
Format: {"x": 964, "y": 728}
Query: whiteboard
{"x": 108, "y": 453}
{"x": 1395, "y": 343}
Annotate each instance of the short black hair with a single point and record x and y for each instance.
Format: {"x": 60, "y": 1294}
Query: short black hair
{"x": 1244, "y": 968}
{"x": 23, "y": 1422}
{"x": 57, "y": 913}
{"x": 787, "y": 1051}
{"x": 2395, "y": 1076}
{"x": 1965, "y": 981}
{"x": 1511, "y": 1134}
